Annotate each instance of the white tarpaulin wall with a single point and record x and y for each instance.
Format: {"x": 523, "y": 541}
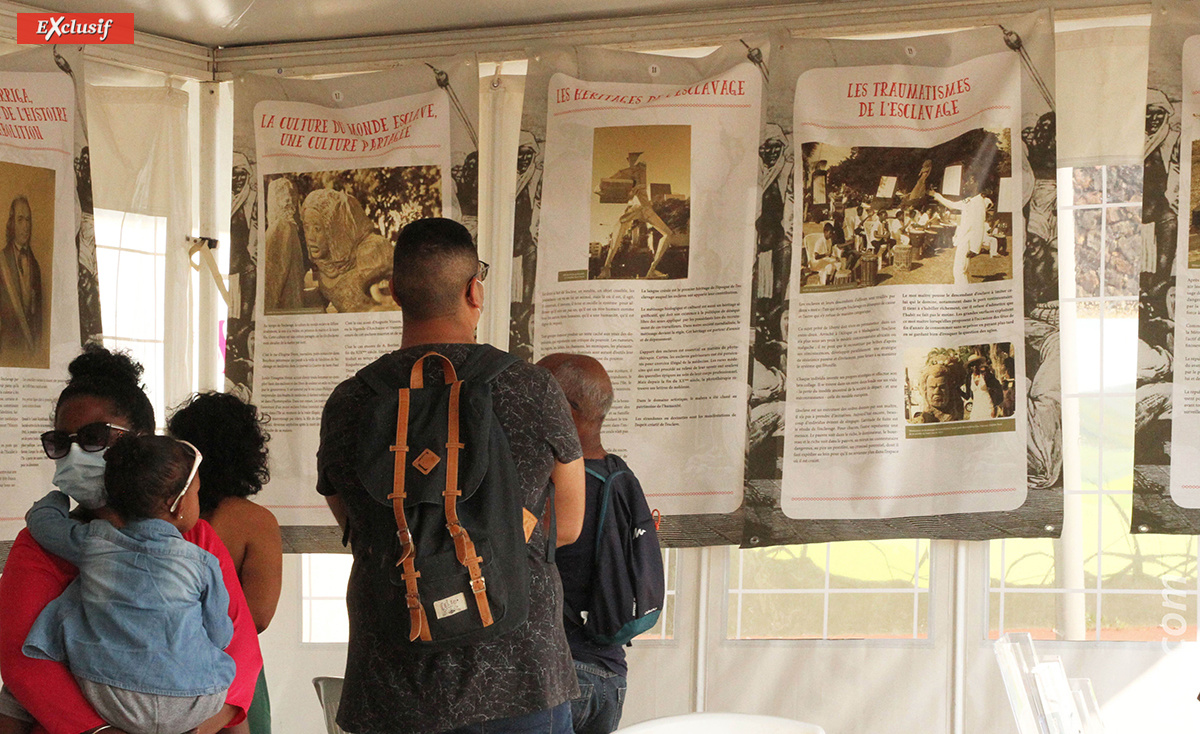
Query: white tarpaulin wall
{"x": 140, "y": 166}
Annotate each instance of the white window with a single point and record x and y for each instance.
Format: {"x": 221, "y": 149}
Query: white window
{"x": 131, "y": 258}
{"x": 1099, "y": 582}
{"x": 323, "y": 594}
{"x": 824, "y": 591}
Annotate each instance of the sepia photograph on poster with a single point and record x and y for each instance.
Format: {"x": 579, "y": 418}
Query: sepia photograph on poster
{"x": 647, "y": 204}
{"x": 329, "y": 238}
{"x": 335, "y": 187}
{"x": 26, "y": 265}
{"x": 904, "y": 216}
{"x": 959, "y": 390}
{"x": 642, "y": 205}
{"x": 1193, "y": 228}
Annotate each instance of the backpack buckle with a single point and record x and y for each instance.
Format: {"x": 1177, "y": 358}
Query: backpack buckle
{"x": 406, "y": 545}
{"x": 478, "y": 585}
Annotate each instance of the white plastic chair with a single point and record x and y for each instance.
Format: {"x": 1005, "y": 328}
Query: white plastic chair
{"x": 722, "y": 723}
{"x": 329, "y": 693}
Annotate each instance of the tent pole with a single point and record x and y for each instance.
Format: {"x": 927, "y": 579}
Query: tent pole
{"x": 957, "y": 701}
{"x": 210, "y": 369}
{"x": 699, "y": 703}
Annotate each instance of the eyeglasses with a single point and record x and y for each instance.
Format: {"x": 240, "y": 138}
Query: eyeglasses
{"x": 91, "y": 438}
{"x": 483, "y": 271}
{"x": 197, "y": 457}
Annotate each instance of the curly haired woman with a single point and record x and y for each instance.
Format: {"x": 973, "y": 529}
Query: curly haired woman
{"x": 230, "y": 434}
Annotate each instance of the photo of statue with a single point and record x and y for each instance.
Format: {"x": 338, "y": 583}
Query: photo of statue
{"x": 970, "y": 384}
{"x": 330, "y": 234}
{"x": 641, "y": 205}
{"x": 283, "y": 271}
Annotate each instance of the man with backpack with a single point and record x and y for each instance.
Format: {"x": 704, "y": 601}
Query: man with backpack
{"x": 438, "y": 460}
{"x": 613, "y": 581}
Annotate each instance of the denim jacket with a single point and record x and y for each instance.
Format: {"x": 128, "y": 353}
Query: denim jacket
{"x": 148, "y": 612}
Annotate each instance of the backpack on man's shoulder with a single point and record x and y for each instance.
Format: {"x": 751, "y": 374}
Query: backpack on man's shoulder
{"x": 628, "y": 586}
{"x": 438, "y": 456}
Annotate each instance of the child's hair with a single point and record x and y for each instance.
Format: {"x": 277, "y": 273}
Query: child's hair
{"x": 230, "y": 434}
{"x": 144, "y": 474}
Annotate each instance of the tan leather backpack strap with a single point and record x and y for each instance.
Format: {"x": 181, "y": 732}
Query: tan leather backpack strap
{"x": 464, "y": 547}
{"x": 400, "y": 453}
{"x": 416, "y": 378}
{"x": 418, "y": 625}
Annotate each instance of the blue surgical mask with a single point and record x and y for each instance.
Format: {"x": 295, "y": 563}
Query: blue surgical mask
{"x": 80, "y": 476}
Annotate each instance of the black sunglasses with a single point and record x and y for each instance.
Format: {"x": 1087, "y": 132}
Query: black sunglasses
{"x": 91, "y": 438}
{"x": 483, "y": 271}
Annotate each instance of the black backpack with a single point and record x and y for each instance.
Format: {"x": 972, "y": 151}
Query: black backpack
{"x": 438, "y": 456}
{"x": 625, "y": 596}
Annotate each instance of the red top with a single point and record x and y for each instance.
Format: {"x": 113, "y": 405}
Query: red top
{"x": 32, "y": 577}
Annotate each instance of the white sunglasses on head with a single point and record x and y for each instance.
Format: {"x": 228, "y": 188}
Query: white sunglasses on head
{"x": 198, "y": 457}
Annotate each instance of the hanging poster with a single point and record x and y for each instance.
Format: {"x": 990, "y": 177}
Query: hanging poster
{"x": 331, "y": 172}
{"x": 905, "y": 357}
{"x": 1166, "y": 410}
{"x": 634, "y": 243}
{"x": 49, "y": 299}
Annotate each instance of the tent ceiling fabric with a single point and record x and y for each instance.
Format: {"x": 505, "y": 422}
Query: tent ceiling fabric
{"x": 233, "y": 23}
{"x": 223, "y": 23}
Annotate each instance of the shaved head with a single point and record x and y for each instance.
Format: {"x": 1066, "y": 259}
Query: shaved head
{"x": 585, "y": 383}
{"x": 432, "y": 265}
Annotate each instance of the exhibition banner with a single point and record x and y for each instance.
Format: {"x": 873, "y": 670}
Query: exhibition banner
{"x": 1166, "y": 411}
{"x": 336, "y": 168}
{"x": 905, "y": 358}
{"x": 49, "y": 299}
{"x": 634, "y": 243}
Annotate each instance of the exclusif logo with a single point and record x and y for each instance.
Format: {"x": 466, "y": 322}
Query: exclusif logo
{"x": 72, "y": 28}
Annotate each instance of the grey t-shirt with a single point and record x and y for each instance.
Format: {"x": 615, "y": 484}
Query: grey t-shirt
{"x": 390, "y": 686}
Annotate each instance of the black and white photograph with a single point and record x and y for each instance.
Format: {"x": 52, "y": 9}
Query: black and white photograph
{"x": 969, "y": 385}
{"x": 26, "y": 265}
{"x": 641, "y": 202}
{"x": 903, "y": 216}
{"x": 330, "y": 234}
{"x": 1194, "y": 210}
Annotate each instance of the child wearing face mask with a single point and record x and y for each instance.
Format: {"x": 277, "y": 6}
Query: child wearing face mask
{"x": 144, "y": 626}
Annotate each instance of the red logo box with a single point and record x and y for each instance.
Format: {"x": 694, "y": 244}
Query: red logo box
{"x": 74, "y": 28}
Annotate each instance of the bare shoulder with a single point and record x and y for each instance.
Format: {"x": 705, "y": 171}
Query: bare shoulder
{"x": 244, "y": 519}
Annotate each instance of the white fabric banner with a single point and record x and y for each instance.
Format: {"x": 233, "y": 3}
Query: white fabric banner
{"x": 39, "y": 308}
{"x": 646, "y": 244}
{"x": 333, "y": 187}
{"x": 1183, "y": 297}
{"x": 891, "y": 376}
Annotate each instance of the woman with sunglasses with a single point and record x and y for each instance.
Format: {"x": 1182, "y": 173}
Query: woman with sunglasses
{"x": 102, "y": 401}
{"x": 144, "y": 625}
